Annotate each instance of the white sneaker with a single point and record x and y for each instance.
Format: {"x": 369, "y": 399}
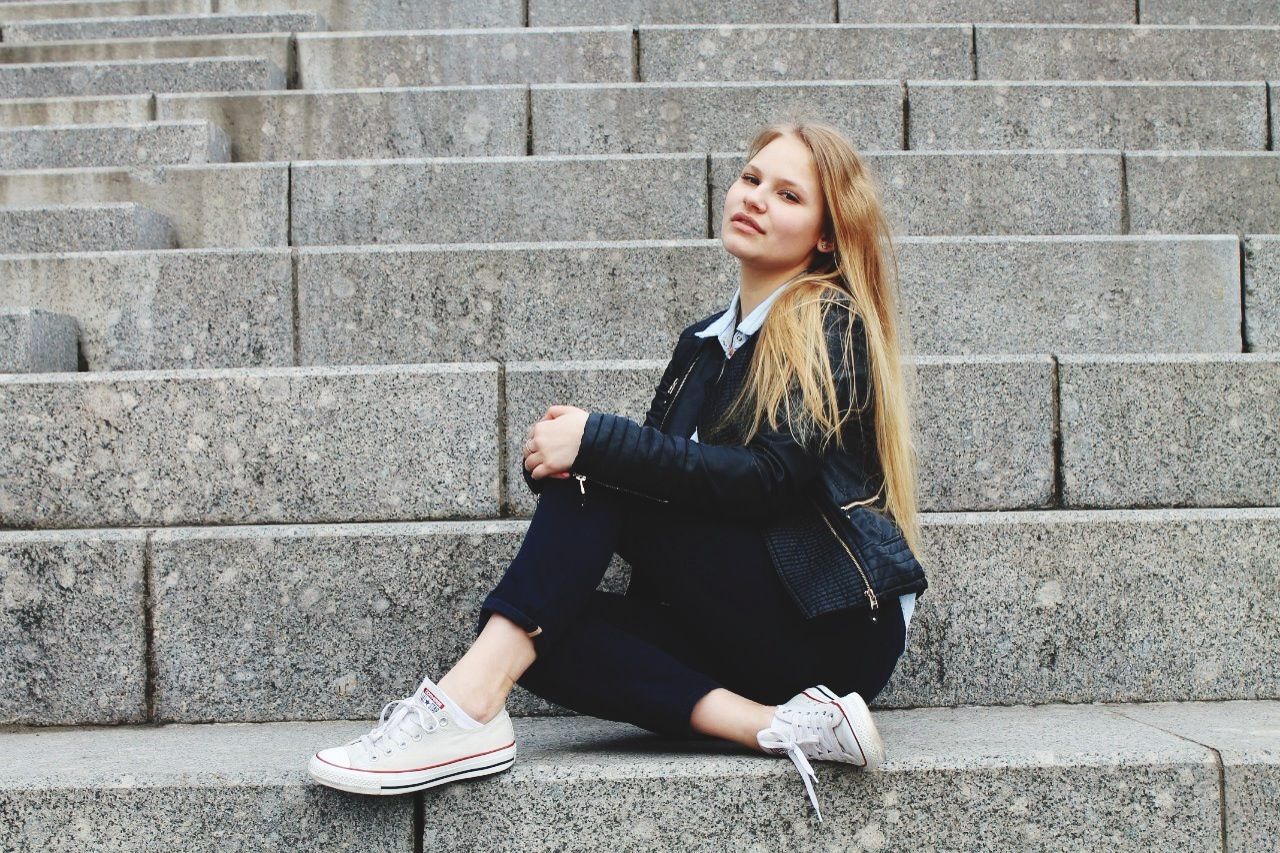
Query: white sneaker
{"x": 419, "y": 742}
{"x": 817, "y": 723}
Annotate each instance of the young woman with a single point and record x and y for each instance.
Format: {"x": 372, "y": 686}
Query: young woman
{"x": 766, "y": 508}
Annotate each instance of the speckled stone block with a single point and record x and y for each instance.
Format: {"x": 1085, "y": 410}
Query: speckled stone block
{"x": 1246, "y": 736}
{"x": 171, "y": 309}
{"x": 1170, "y": 430}
{"x": 480, "y": 121}
{"x": 1090, "y": 606}
{"x": 821, "y": 52}
{"x": 1262, "y": 293}
{"x": 273, "y": 47}
{"x": 85, "y": 228}
{"x": 1205, "y": 192}
{"x": 38, "y": 11}
{"x": 113, "y": 145}
{"x": 967, "y": 11}
{"x": 395, "y": 14}
{"x": 968, "y": 458}
{"x": 979, "y": 192}
{"x": 678, "y": 117}
{"x": 1210, "y": 12}
{"x": 583, "y": 13}
{"x": 342, "y": 632}
{"x": 189, "y": 788}
{"x": 232, "y": 204}
{"x": 517, "y": 54}
{"x": 160, "y": 26}
{"x": 93, "y": 109}
{"x": 214, "y": 74}
{"x": 498, "y": 199}
{"x": 984, "y": 114}
{"x": 36, "y": 341}
{"x": 72, "y": 627}
{"x": 250, "y": 445}
{"x": 1145, "y": 52}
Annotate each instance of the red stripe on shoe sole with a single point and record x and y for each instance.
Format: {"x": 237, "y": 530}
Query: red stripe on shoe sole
{"x": 417, "y": 769}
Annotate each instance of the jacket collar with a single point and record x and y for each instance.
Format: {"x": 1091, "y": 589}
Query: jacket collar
{"x": 723, "y": 327}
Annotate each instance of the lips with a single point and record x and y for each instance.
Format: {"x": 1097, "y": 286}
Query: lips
{"x": 748, "y": 221}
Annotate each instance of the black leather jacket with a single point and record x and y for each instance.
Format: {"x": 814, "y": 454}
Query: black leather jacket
{"x": 830, "y": 540}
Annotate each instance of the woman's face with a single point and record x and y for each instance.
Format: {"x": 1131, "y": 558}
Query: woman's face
{"x": 778, "y": 189}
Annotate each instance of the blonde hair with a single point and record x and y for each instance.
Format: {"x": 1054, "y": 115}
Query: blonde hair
{"x": 859, "y": 277}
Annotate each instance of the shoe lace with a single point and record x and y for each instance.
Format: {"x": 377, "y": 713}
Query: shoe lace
{"x": 801, "y": 734}
{"x": 395, "y": 716}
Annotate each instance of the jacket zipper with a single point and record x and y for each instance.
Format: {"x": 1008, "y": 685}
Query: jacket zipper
{"x": 582, "y": 478}
{"x": 851, "y": 504}
{"x": 870, "y": 593}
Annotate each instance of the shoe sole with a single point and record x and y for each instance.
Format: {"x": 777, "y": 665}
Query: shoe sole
{"x": 391, "y": 782}
{"x": 856, "y": 712}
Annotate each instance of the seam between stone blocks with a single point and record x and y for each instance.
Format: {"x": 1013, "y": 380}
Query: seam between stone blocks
{"x": 1055, "y": 418}
{"x": 505, "y": 502}
{"x": 148, "y": 630}
{"x": 1242, "y": 250}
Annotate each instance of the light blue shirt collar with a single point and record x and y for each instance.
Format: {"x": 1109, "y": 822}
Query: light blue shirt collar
{"x": 723, "y": 328}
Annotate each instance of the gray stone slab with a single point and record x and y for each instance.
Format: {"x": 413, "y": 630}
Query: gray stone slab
{"x": 85, "y": 228}
{"x": 803, "y": 52}
{"x": 36, "y": 341}
{"x": 1088, "y": 606}
{"x": 986, "y": 114}
{"x": 1262, "y": 293}
{"x": 979, "y": 192}
{"x": 249, "y": 445}
{"x": 581, "y": 13}
{"x": 968, "y": 459}
{"x": 234, "y": 204}
{"x": 465, "y": 57}
{"x": 445, "y": 121}
{"x": 38, "y": 11}
{"x": 586, "y": 118}
{"x": 968, "y": 11}
{"x": 1204, "y": 192}
{"x": 1145, "y": 52}
{"x": 72, "y": 627}
{"x": 131, "y": 76}
{"x": 497, "y": 199}
{"x": 170, "y": 309}
{"x": 1247, "y": 737}
{"x": 1209, "y": 12}
{"x": 396, "y": 14}
{"x": 159, "y": 26}
{"x": 149, "y": 144}
{"x": 1170, "y": 430}
{"x": 273, "y": 47}
{"x": 197, "y": 788}
{"x": 95, "y": 109}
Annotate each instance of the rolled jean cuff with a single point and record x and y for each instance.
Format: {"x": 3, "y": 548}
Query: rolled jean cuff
{"x": 515, "y": 614}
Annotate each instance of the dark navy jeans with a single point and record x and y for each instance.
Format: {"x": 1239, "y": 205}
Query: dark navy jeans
{"x": 725, "y": 621}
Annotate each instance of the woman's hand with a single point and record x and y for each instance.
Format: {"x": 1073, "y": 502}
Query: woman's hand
{"x": 552, "y": 443}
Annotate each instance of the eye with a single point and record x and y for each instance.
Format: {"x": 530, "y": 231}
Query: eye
{"x": 788, "y": 193}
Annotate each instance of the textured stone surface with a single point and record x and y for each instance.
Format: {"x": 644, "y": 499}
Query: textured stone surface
{"x": 477, "y": 121}
{"x": 132, "y": 76}
{"x": 93, "y": 109}
{"x": 71, "y": 624}
{"x": 1170, "y": 430}
{"x": 1212, "y": 12}
{"x": 678, "y": 117}
{"x": 36, "y": 341}
{"x": 967, "y": 11}
{"x": 473, "y": 57}
{"x": 113, "y": 145}
{"x": 963, "y": 114}
{"x": 976, "y": 192}
{"x": 1065, "y": 52}
{"x": 824, "y": 52}
{"x": 1247, "y": 737}
{"x": 396, "y": 14}
{"x": 498, "y": 199}
{"x": 85, "y": 228}
{"x": 1262, "y": 293}
{"x": 38, "y": 11}
{"x": 273, "y": 47}
{"x": 168, "y": 309}
{"x": 249, "y": 445}
{"x": 581, "y": 13}
{"x": 233, "y": 204}
{"x": 1203, "y": 193}
{"x": 152, "y": 26}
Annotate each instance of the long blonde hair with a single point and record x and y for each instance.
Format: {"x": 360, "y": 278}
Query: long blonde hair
{"x": 860, "y": 277}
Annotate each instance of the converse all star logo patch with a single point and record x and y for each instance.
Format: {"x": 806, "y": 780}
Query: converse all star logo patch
{"x": 432, "y": 698}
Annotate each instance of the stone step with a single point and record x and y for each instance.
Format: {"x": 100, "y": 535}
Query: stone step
{"x": 134, "y": 144}
{"x": 38, "y": 10}
{"x": 85, "y": 227}
{"x": 1209, "y": 12}
{"x": 276, "y": 48}
{"x": 160, "y": 26}
{"x": 1169, "y": 776}
{"x": 142, "y": 75}
{"x": 35, "y": 341}
{"x": 399, "y": 15}
{"x": 1020, "y": 11}
{"x": 92, "y": 109}
{"x": 207, "y": 308}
